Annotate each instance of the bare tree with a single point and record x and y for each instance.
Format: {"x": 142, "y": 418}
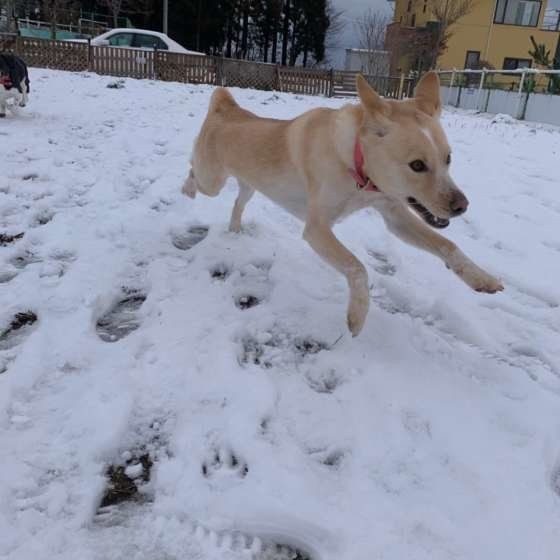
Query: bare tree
{"x": 336, "y": 23}
{"x": 447, "y": 13}
{"x": 115, "y": 8}
{"x": 129, "y": 7}
{"x": 8, "y": 8}
{"x": 336, "y": 26}
{"x": 55, "y": 12}
{"x": 370, "y": 29}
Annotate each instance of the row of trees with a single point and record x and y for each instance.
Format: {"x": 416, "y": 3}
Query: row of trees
{"x": 283, "y": 31}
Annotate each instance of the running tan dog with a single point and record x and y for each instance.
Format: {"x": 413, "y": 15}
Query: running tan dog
{"x": 326, "y": 164}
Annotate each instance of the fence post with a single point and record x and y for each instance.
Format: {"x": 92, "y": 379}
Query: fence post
{"x": 518, "y": 112}
{"x": 401, "y": 87}
{"x": 331, "y": 82}
{"x": 89, "y": 56}
{"x": 451, "y": 82}
{"x": 480, "y": 86}
{"x": 219, "y": 70}
{"x": 278, "y": 79}
{"x": 487, "y": 99}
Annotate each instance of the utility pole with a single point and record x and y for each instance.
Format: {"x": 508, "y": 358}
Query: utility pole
{"x": 198, "y": 18}
{"x": 165, "y": 15}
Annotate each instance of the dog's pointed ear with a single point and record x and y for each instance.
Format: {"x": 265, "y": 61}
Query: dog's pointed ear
{"x": 427, "y": 94}
{"x": 370, "y": 99}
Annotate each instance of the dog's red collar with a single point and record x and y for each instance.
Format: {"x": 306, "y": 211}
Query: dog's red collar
{"x": 363, "y": 182}
{"x": 6, "y": 81}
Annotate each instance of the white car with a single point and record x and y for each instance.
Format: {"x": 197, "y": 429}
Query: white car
{"x": 139, "y": 39}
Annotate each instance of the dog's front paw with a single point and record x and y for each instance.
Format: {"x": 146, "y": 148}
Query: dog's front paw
{"x": 357, "y": 313}
{"x": 480, "y": 281}
{"x": 234, "y": 227}
{"x": 488, "y": 285}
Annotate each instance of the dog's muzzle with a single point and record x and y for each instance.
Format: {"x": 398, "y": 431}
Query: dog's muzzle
{"x": 426, "y": 215}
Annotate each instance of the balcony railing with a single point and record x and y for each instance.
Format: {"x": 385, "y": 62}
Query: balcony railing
{"x": 551, "y": 20}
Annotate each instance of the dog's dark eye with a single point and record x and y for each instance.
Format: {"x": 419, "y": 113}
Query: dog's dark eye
{"x": 448, "y": 160}
{"x": 418, "y": 166}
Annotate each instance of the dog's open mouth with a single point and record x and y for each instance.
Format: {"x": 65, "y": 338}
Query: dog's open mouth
{"x": 426, "y": 215}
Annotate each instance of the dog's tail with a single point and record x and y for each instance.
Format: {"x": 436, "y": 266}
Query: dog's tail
{"x": 221, "y": 101}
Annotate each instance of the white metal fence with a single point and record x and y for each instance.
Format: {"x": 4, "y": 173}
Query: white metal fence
{"x": 527, "y": 93}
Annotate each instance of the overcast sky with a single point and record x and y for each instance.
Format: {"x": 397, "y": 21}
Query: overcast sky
{"x": 353, "y": 9}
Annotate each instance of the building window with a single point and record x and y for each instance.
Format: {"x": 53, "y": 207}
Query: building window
{"x": 409, "y": 6}
{"x": 472, "y": 60}
{"x": 515, "y": 63}
{"x": 413, "y": 20}
{"x": 425, "y": 6}
{"x": 518, "y": 12}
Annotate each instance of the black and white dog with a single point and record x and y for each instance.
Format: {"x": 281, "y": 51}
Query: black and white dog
{"x": 14, "y": 81}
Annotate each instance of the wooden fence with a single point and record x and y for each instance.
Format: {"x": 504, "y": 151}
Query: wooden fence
{"x": 194, "y": 69}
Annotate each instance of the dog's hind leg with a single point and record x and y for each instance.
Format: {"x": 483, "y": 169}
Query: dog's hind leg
{"x": 245, "y": 194}
{"x": 323, "y": 241}
{"x": 23, "y": 101}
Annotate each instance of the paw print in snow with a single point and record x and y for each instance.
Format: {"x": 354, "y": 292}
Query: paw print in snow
{"x": 224, "y": 462}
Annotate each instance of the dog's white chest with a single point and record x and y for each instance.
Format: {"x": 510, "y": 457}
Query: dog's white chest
{"x": 287, "y": 193}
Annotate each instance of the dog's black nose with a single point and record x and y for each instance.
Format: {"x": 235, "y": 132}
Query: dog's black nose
{"x": 458, "y": 204}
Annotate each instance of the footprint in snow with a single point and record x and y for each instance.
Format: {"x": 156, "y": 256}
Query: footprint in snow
{"x": 160, "y": 147}
{"x": 6, "y": 239}
{"x": 328, "y": 457}
{"x": 122, "y": 318}
{"x": 42, "y": 218}
{"x": 24, "y": 258}
{"x": 305, "y": 346}
{"x": 18, "y": 329}
{"x": 224, "y": 462}
{"x": 323, "y": 381}
{"x": 278, "y": 551}
{"x": 253, "y": 286}
{"x": 220, "y": 272}
{"x": 58, "y": 263}
{"x": 187, "y": 240}
{"x": 124, "y": 481}
{"x": 382, "y": 264}
{"x": 246, "y": 301}
{"x": 275, "y": 348}
{"x": 7, "y": 276}
{"x": 30, "y": 176}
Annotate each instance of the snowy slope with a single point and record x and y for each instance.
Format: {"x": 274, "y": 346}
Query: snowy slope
{"x": 433, "y": 435}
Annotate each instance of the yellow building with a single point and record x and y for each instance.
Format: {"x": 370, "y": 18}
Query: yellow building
{"x": 494, "y": 33}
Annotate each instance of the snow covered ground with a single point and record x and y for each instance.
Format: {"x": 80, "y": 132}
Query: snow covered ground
{"x": 137, "y": 333}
